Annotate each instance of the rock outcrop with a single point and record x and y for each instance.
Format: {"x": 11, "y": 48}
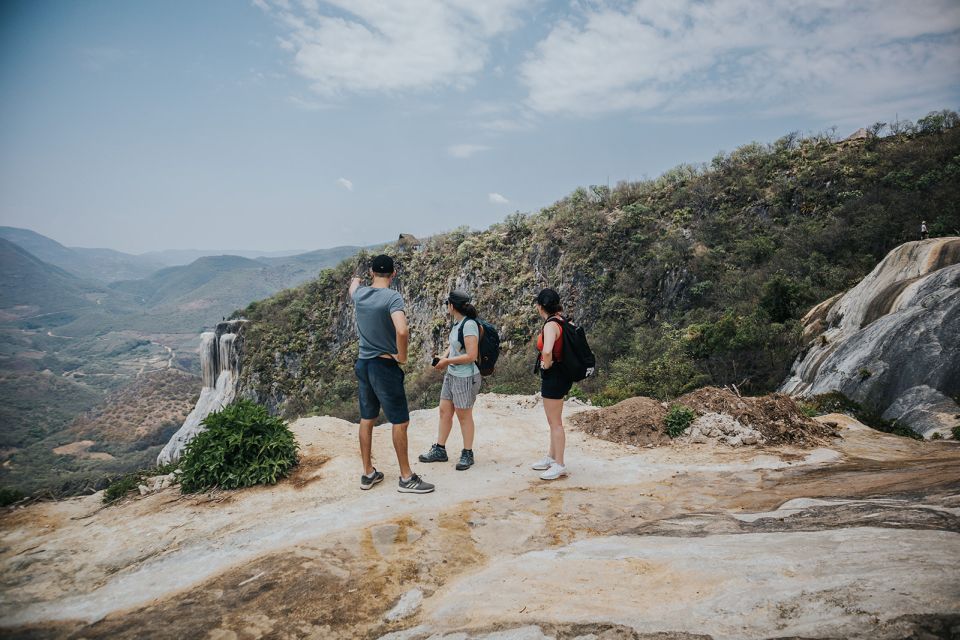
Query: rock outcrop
{"x": 857, "y": 540}
{"x": 892, "y": 343}
{"x": 220, "y": 355}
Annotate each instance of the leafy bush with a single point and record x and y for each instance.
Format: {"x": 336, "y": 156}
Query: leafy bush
{"x": 678, "y": 419}
{"x": 8, "y": 496}
{"x": 120, "y": 487}
{"x": 956, "y": 432}
{"x": 242, "y": 445}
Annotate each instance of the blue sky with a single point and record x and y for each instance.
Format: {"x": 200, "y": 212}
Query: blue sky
{"x": 299, "y": 124}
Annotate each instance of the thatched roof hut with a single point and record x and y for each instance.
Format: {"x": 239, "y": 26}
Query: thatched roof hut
{"x": 407, "y": 242}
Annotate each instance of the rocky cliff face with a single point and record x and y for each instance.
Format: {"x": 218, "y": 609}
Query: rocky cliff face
{"x": 220, "y": 356}
{"x": 893, "y": 341}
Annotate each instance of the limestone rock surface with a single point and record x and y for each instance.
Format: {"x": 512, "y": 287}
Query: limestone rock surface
{"x": 892, "y": 342}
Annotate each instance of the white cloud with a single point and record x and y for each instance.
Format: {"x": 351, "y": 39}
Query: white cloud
{"x": 346, "y": 184}
{"x": 466, "y": 150}
{"x": 357, "y": 46}
{"x": 496, "y": 198}
{"x": 822, "y": 57}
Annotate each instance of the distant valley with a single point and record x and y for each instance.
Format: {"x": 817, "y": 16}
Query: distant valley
{"x": 85, "y": 331}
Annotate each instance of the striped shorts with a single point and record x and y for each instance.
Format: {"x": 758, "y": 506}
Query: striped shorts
{"x": 461, "y": 390}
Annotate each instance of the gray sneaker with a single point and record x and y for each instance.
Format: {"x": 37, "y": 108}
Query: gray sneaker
{"x": 368, "y": 481}
{"x": 466, "y": 460}
{"x": 415, "y": 484}
{"x": 436, "y": 454}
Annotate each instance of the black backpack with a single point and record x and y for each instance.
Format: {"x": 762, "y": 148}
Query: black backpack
{"x": 578, "y": 360}
{"x": 488, "y": 347}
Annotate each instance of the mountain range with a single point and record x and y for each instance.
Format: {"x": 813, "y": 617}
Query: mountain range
{"x": 82, "y": 331}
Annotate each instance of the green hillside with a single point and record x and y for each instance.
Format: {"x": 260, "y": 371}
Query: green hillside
{"x": 173, "y": 283}
{"x": 697, "y": 277}
{"x": 38, "y": 287}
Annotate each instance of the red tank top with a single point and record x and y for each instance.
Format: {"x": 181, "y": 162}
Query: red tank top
{"x": 557, "y": 346}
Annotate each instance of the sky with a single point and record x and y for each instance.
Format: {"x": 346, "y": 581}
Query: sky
{"x": 302, "y": 124}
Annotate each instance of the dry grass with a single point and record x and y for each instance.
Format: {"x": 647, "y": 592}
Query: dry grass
{"x": 140, "y": 409}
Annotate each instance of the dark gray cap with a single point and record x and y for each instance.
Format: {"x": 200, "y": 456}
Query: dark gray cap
{"x": 458, "y": 297}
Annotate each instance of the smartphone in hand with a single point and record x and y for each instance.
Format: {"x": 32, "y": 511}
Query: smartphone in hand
{"x": 435, "y": 362}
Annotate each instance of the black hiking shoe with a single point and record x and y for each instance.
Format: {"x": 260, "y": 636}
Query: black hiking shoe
{"x": 436, "y": 454}
{"x": 466, "y": 460}
{"x": 368, "y": 481}
{"x": 415, "y": 484}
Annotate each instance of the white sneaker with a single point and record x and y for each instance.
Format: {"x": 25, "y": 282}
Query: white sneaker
{"x": 555, "y": 471}
{"x": 543, "y": 463}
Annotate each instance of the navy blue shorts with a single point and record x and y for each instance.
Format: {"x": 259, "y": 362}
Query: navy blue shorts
{"x": 553, "y": 384}
{"x": 381, "y": 385}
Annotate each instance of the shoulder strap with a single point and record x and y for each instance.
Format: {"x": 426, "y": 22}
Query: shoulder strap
{"x": 463, "y": 345}
{"x": 558, "y": 319}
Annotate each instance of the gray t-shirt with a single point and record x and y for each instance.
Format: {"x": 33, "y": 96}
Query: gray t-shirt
{"x": 375, "y": 328}
{"x": 470, "y": 329}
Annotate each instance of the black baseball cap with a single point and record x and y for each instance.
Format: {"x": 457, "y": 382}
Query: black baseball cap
{"x": 382, "y": 264}
{"x": 458, "y": 296}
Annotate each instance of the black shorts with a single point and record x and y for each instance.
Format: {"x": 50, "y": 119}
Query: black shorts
{"x": 381, "y": 385}
{"x": 553, "y": 384}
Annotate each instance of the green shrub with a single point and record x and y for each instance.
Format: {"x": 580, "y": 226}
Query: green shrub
{"x": 956, "y": 432}
{"x": 8, "y": 496}
{"x": 936, "y": 436}
{"x": 242, "y": 445}
{"x": 120, "y": 487}
{"x": 808, "y": 409}
{"x": 678, "y": 419}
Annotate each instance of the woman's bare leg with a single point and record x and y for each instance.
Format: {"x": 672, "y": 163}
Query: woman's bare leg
{"x": 465, "y": 418}
{"x": 558, "y": 439}
{"x": 446, "y": 421}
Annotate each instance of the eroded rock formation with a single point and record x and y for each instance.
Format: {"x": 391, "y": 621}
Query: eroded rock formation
{"x": 892, "y": 343}
{"x": 220, "y": 367}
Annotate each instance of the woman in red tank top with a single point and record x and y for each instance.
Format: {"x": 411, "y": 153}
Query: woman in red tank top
{"x": 558, "y": 342}
{"x": 554, "y": 385}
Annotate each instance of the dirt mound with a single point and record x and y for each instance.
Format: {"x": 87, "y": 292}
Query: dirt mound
{"x": 637, "y": 421}
{"x": 776, "y": 416}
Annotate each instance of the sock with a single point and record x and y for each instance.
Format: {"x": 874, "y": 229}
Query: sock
{"x": 468, "y": 450}
{"x": 407, "y": 479}
{"x": 441, "y": 446}
{"x": 370, "y": 475}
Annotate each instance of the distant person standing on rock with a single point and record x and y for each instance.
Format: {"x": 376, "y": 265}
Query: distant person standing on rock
{"x": 384, "y": 336}
{"x": 461, "y": 383}
{"x": 554, "y": 385}
{"x": 924, "y": 233}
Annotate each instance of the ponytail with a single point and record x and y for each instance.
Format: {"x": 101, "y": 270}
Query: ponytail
{"x": 466, "y": 309}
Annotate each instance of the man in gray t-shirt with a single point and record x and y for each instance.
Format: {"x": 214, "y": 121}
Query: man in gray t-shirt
{"x": 383, "y": 335}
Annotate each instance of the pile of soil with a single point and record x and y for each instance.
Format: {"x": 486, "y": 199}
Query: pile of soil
{"x": 640, "y": 421}
{"x": 637, "y": 421}
{"x": 776, "y": 416}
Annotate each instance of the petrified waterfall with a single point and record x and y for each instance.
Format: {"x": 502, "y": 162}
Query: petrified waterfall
{"x": 892, "y": 342}
{"x": 220, "y": 368}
